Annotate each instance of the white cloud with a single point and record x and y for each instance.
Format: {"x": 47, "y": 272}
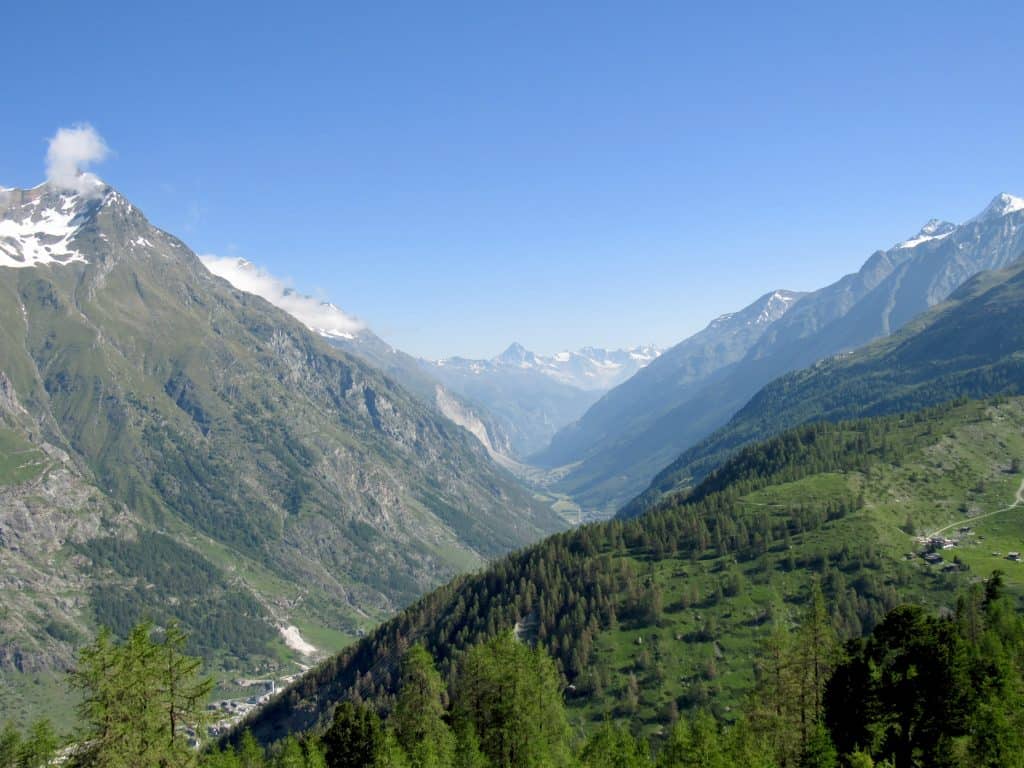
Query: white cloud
{"x": 319, "y": 316}
{"x": 71, "y": 152}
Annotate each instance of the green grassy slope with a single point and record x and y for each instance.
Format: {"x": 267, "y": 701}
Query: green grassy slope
{"x": 651, "y": 616}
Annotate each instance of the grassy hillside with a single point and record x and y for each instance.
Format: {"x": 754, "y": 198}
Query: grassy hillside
{"x": 971, "y": 346}
{"x": 653, "y": 616}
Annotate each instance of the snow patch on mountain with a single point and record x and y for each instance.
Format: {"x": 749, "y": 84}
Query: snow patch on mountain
{"x": 935, "y": 229}
{"x": 38, "y": 226}
{"x": 764, "y": 311}
{"x": 1002, "y": 205}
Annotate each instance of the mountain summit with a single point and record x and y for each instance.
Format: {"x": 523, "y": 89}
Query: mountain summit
{"x": 173, "y": 446}
{"x": 1002, "y": 205}
{"x": 935, "y": 229}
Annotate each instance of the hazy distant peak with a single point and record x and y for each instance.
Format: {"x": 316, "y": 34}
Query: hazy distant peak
{"x": 516, "y": 354}
{"x": 935, "y": 229}
{"x": 590, "y": 368}
{"x": 767, "y": 309}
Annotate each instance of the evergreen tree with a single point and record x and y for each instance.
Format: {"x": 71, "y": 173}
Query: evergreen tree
{"x": 695, "y": 742}
{"x": 220, "y": 758}
{"x": 818, "y": 751}
{"x": 612, "y": 746}
{"x": 138, "y": 699}
{"x": 418, "y": 718}
{"x": 354, "y": 738}
{"x": 389, "y": 753}
{"x": 10, "y": 746}
{"x": 291, "y": 755}
{"x": 39, "y": 747}
{"x": 250, "y": 753}
{"x": 467, "y": 747}
{"x": 512, "y": 696}
{"x": 912, "y": 691}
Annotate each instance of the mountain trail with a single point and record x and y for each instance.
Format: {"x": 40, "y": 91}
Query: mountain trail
{"x": 1018, "y": 500}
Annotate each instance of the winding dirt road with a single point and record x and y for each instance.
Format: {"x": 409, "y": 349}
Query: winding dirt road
{"x": 1017, "y": 501}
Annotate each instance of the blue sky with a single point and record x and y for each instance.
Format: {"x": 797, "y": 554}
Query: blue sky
{"x": 561, "y": 174}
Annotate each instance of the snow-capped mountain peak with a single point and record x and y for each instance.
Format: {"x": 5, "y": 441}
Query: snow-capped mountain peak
{"x": 590, "y": 368}
{"x": 1002, "y": 204}
{"x": 38, "y": 226}
{"x": 764, "y": 311}
{"x": 935, "y": 229}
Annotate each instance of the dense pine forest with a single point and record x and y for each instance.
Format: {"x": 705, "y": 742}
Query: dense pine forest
{"x": 920, "y": 690}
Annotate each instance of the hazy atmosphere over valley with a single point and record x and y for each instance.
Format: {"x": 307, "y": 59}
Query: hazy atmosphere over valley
{"x": 409, "y": 386}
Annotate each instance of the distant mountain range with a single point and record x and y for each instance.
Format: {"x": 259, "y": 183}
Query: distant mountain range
{"x": 172, "y": 446}
{"x": 616, "y": 448}
{"x": 591, "y": 368}
{"x": 533, "y": 396}
{"x": 723, "y": 548}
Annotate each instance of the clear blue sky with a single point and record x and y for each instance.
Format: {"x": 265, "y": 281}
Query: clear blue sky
{"x": 462, "y": 175}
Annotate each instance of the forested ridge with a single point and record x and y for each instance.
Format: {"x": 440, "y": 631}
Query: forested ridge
{"x": 967, "y": 347}
{"x": 649, "y": 618}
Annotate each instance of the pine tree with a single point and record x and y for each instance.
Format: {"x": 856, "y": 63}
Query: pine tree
{"x": 418, "y": 719}
{"x": 512, "y": 696}
{"x": 291, "y": 755}
{"x": 354, "y": 738}
{"x": 250, "y": 753}
{"x": 695, "y": 742}
{"x": 612, "y": 746}
{"x": 467, "y": 747}
{"x": 181, "y": 693}
{"x": 10, "y": 746}
{"x": 39, "y": 747}
{"x": 138, "y": 698}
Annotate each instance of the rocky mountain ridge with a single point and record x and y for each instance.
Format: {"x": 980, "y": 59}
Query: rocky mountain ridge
{"x": 612, "y": 452}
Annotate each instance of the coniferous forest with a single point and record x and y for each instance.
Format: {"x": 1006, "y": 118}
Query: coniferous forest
{"x": 919, "y": 690}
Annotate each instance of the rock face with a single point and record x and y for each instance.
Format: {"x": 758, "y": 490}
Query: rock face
{"x": 614, "y": 452}
{"x": 169, "y": 443}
